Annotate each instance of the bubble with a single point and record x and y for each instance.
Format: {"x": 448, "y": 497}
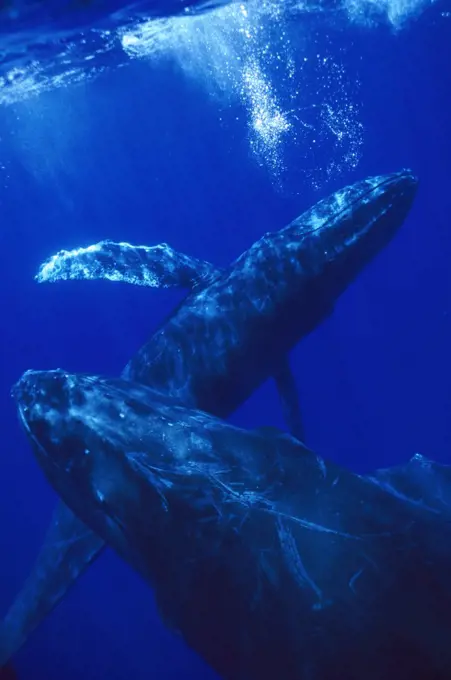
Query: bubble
{"x": 254, "y": 54}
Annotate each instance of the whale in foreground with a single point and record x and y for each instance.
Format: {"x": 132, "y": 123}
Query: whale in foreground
{"x": 233, "y": 331}
{"x": 270, "y": 562}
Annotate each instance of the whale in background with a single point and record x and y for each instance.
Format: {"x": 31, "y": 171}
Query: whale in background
{"x": 237, "y": 326}
{"x": 269, "y": 561}
{"x": 233, "y": 331}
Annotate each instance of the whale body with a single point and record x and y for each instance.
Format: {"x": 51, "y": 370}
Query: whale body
{"x": 233, "y": 331}
{"x": 269, "y": 561}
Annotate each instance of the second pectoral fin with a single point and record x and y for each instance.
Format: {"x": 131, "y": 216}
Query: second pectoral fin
{"x": 289, "y": 398}
{"x": 69, "y": 547}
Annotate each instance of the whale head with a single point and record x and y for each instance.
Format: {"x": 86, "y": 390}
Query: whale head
{"x": 334, "y": 240}
{"x": 74, "y": 430}
{"x": 116, "y": 451}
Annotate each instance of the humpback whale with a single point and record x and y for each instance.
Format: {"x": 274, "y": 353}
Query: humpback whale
{"x": 233, "y": 330}
{"x": 269, "y": 561}
{"x": 236, "y": 327}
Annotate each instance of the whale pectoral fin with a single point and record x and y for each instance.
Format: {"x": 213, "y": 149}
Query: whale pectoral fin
{"x": 154, "y": 266}
{"x": 270, "y": 431}
{"x": 289, "y": 398}
{"x": 274, "y": 433}
{"x": 69, "y": 547}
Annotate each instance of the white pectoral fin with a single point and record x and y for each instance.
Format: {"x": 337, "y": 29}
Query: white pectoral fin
{"x": 157, "y": 266}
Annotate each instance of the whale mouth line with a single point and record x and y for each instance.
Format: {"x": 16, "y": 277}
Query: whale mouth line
{"x": 404, "y": 174}
{"x": 31, "y": 436}
{"x": 386, "y": 180}
{"x": 22, "y": 418}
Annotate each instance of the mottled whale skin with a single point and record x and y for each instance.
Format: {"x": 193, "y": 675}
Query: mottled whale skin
{"x": 238, "y": 330}
{"x": 271, "y": 562}
{"x": 236, "y": 327}
{"x": 231, "y": 333}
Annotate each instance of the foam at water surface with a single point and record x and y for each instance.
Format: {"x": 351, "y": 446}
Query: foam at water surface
{"x": 47, "y": 44}
{"x": 255, "y": 54}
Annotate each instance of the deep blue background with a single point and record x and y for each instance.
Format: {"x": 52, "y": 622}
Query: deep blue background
{"x": 140, "y": 155}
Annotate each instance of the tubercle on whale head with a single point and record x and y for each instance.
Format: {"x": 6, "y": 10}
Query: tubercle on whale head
{"x": 347, "y": 229}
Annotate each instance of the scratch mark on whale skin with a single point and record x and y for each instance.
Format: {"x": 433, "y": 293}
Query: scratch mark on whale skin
{"x": 293, "y": 559}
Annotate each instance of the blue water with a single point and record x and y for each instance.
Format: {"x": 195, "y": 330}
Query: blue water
{"x": 169, "y": 148}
